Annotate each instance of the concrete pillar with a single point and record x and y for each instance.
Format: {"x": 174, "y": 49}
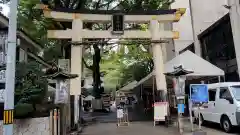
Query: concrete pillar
{"x": 158, "y": 60}
{"x": 76, "y": 65}
{"x": 197, "y": 45}
{"x": 234, "y": 13}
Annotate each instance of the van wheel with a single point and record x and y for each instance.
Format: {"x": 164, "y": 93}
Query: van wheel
{"x": 226, "y": 124}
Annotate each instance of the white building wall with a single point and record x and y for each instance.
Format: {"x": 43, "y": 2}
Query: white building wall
{"x": 205, "y": 13}
{"x": 34, "y": 126}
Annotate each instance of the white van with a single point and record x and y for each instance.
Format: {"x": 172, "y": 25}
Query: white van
{"x": 223, "y": 106}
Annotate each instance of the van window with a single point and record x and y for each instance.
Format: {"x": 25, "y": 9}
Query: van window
{"x": 236, "y": 92}
{"x": 224, "y": 92}
{"x": 212, "y": 94}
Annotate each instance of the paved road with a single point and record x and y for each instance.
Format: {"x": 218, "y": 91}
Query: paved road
{"x": 134, "y": 115}
{"x": 105, "y": 117}
{"x": 142, "y": 128}
{"x": 106, "y": 124}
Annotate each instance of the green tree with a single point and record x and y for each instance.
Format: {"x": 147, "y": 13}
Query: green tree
{"x": 30, "y": 88}
{"x": 35, "y": 24}
{"x": 127, "y": 64}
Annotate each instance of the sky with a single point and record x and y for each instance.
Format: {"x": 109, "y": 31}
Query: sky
{"x": 5, "y": 9}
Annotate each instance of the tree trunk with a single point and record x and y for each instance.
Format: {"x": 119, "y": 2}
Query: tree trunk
{"x": 96, "y": 72}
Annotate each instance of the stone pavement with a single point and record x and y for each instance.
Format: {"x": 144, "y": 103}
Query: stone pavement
{"x": 141, "y": 128}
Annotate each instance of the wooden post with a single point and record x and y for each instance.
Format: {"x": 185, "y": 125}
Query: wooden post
{"x": 51, "y": 123}
{"x": 55, "y": 122}
{"x": 153, "y": 88}
{"x": 58, "y": 122}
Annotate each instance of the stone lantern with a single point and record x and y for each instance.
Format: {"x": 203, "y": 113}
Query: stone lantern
{"x": 55, "y": 73}
{"x": 62, "y": 97}
{"x": 179, "y": 77}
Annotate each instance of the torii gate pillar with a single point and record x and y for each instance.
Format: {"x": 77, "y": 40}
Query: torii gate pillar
{"x": 158, "y": 59}
{"x": 76, "y": 65}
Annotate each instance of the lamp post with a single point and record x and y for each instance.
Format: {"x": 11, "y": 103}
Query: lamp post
{"x": 179, "y": 77}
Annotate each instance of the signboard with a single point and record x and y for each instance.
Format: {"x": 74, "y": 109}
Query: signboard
{"x": 199, "y": 93}
{"x": 160, "y": 111}
{"x": 64, "y": 64}
{"x": 119, "y": 113}
{"x": 61, "y": 93}
{"x": 118, "y": 24}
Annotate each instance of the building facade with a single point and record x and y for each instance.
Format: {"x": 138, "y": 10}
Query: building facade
{"x": 212, "y": 26}
{"x": 203, "y": 17}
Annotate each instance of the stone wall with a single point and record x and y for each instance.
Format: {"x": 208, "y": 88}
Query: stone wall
{"x": 33, "y": 126}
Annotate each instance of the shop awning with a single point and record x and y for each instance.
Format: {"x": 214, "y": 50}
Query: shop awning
{"x": 189, "y": 61}
{"x": 198, "y": 65}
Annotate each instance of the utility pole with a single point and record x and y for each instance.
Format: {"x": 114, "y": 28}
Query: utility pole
{"x": 10, "y": 71}
{"x": 234, "y": 8}
{"x": 195, "y": 38}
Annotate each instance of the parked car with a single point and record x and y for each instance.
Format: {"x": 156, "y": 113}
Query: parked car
{"x": 223, "y": 106}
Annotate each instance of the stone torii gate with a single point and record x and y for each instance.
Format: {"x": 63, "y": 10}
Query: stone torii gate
{"x": 77, "y": 34}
